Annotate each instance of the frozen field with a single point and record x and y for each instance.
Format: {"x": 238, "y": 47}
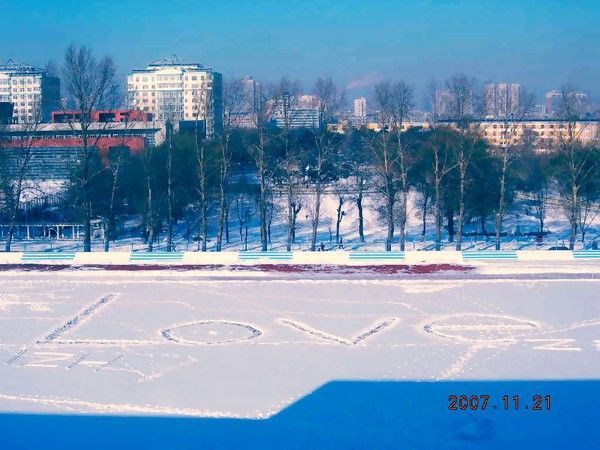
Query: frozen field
{"x": 178, "y": 344}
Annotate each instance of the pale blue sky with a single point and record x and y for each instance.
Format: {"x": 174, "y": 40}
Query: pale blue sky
{"x": 541, "y": 44}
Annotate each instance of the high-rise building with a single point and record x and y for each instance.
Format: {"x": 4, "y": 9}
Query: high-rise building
{"x": 360, "y": 107}
{"x": 307, "y": 101}
{"x": 501, "y": 100}
{"x": 300, "y": 111}
{"x": 575, "y": 101}
{"x": 246, "y": 115}
{"x": 538, "y": 111}
{"x": 33, "y": 92}
{"x": 443, "y": 104}
{"x": 552, "y": 102}
{"x": 178, "y": 91}
{"x": 251, "y": 94}
{"x": 6, "y": 113}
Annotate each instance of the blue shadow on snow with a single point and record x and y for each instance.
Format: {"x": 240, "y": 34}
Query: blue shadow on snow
{"x": 346, "y": 414}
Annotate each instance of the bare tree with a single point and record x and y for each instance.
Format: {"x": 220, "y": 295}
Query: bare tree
{"x": 261, "y": 155}
{"x": 285, "y": 101}
{"x": 115, "y": 160}
{"x": 89, "y": 85}
{"x": 386, "y": 157}
{"x": 328, "y": 98}
{"x": 433, "y": 102}
{"x": 341, "y": 190}
{"x": 400, "y": 105}
{"x": 462, "y": 89}
{"x": 16, "y": 182}
{"x": 512, "y": 146}
{"x": 440, "y": 145}
{"x": 535, "y": 177}
{"x": 233, "y": 101}
{"x": 150, "y": 213}
{"x": 357, "y": 162}
{"x": 202, "y": 99}
{"x": 244, "y": 209}
{"x": 589, "y": 209}
{"x": 576, "y": 164}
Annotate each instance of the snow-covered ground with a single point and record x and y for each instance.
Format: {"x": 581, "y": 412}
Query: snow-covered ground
{"x": 165, "y": 343}
{"x": 515, "y": 225}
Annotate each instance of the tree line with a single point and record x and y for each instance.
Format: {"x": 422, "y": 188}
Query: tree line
{"x": 247, "y": 176}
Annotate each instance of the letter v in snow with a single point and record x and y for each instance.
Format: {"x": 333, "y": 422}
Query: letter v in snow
{"x": 377, "y": 327}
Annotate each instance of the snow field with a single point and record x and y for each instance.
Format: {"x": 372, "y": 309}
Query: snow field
{"x": 179, "y": 345}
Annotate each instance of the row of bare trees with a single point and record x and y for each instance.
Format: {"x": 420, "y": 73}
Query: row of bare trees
{"x": 448, "y": 166}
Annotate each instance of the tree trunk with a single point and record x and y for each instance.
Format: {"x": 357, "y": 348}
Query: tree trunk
{"x": 497, "y": 227}
{"x": 438, "y": 216}
{"x": 110, "y": 219}
{"x": 150, "y": 216}
{"x": 461, "y": 204}
{"x": 204, "y": 224}
{"x": 390, "y": 219}
{"x": 572, "y": 237}
{"x": 290, "y": 214}
{"x": 13, "y": 215}
{"x": 227, "y": 224}
{"x": 9, "y": 234}
{"x": 574, "y": 213}
{"x": 169, "y": 189}
{"x": 361, "y": 220}
{"x": 297, "y": 209}
{"x": 450, "y": 218}
{"x": 403, "y": 218}
{"x": 339, "y": 218}
{"x": 87, "y": 228}
{"x": 315, "y": 221}
{"x": 501, "y": 201}
{"x": 263, "y": 192}
{"x": 269, "y": 230}
{"x": 221, "y": 219}
{"x": 390, "y": 225}
{"x": 424, "y": 216}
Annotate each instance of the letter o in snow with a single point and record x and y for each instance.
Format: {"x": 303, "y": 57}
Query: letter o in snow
{"x": 481, "y": 327}
{"x": 210, "y": 332}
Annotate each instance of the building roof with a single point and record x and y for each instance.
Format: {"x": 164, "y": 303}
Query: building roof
{"x": 106, "y": 127}
{"x": 20, "y": 69}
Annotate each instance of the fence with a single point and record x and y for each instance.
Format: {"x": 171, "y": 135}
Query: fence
{"x": 325, "y": 258}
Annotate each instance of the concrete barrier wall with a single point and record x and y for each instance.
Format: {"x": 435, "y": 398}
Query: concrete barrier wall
{"x": 10, "y": 258}
{"x": 282, "y": 257}
{"x": 102, "y": 258}
{"x": 549, "y": 255}
{"x": 441, "y": 257}
{"x": 210, "y": 258}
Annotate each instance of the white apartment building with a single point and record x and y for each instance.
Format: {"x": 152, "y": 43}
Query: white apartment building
{"x": 175, "y": 91}
{"x": 33, "y": 93}
{"x": 501, "y": 100}
{"x": 554, "y": 102}
{"x": 360, "y": 107}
